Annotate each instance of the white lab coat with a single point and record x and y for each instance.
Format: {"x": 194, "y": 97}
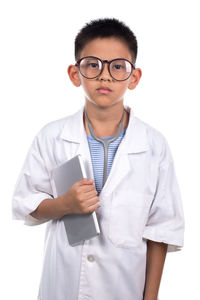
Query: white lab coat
{"x": 140, "y": 201}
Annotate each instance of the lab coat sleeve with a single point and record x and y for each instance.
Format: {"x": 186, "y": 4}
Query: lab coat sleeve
{"x": 33, "y": 185}
{"x": 166, "y": 220}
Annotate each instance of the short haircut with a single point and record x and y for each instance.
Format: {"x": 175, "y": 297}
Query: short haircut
{"x": 105, "y": 28}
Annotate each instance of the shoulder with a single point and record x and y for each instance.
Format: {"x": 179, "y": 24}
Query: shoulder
{"x": 53, "y": 130}
{"x": 156, "y": 140}
{"x": 152, "y": 132}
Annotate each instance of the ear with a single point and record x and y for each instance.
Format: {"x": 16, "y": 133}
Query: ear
{"x": 74, "y": 75}
{"x": 135, "y": 78}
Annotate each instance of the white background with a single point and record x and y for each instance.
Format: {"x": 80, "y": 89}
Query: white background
{"x": 36, "y": 48}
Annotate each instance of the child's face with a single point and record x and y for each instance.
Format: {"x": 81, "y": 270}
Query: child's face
{"x": 104, "y": 90}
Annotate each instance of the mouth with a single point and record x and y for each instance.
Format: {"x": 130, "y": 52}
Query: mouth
{"x": 104, "y": 90}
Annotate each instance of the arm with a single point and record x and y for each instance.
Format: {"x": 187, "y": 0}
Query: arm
{"x": 50, "y": 209}
{"x": 156, "y": 253}
{"x": 81, "y": 198}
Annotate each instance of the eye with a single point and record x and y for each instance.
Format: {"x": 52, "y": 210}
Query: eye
{"x": 93, "y": 65}
{"x": 118, "y": 67}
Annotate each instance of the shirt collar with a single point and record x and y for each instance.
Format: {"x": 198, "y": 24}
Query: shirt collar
{"x": 135, "y": 138}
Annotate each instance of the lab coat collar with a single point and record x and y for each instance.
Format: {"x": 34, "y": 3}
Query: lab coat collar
{"x": 135, "y": 139}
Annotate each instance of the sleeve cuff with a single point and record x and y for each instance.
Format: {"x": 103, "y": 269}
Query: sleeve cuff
{"x": 23, "y": 211}
{"x": 173, "y": 243}
{"x": 31, "y": 221}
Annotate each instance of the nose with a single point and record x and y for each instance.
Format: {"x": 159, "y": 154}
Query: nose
{"x": 105, "y": 75}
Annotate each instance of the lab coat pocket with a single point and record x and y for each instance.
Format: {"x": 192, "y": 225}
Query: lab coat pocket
{"x": 128, "y": 216}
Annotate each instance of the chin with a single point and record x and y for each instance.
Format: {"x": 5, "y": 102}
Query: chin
{"x": 102, "y": 103}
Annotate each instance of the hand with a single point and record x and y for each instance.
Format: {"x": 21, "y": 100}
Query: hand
{"x": 81, "y": 198}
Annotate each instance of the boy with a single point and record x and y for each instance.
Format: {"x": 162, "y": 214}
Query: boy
{"x": 137, "y": 201}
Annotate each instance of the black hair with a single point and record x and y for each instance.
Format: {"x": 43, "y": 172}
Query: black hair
{"x": 104, "y": 28}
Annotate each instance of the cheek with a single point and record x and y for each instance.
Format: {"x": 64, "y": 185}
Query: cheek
{"x": 122, "y": 89}
{"x": 84, "y": 82}
{"x": 88, "y": 86}
{"x": 87, "y": 89}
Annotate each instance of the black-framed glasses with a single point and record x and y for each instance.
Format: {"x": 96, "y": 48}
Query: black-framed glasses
{"x": 91, "y": 67}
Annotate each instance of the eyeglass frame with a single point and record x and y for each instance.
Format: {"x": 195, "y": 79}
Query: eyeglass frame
{"x": 77, "y": 64}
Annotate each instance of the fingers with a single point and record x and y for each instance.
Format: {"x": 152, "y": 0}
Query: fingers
{"x": 86, "y": 185}
{"x": 93, "y": 208}
{"x": 89, "y": 205}
{"x": 93, "y": 201}
{"x": 89, "y": 192}
{"x": 86, "y": 181}
{"x": 87, "y": 195}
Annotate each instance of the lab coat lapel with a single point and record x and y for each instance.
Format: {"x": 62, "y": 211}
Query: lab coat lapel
{"x": 84, "y": 151}
{"x": 74, "y": 132}
{"x": 134, "y": 142}
{"x": 120, "y": 168}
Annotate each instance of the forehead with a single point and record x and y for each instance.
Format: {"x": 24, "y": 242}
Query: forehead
{"x": 107, "y": 48}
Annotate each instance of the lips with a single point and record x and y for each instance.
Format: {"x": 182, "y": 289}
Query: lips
{"x": 104, "y": 90}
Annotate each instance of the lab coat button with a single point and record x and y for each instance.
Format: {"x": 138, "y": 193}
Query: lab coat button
{"x": 90, "y": 258}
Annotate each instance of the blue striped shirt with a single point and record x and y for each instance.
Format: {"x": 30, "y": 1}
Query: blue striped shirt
{"x": 97, "y": 156}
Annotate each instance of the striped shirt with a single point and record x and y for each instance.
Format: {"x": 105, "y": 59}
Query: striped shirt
{"x": 97, "y": 156}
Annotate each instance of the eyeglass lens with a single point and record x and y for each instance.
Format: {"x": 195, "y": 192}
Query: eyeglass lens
{"x": 120, "y": 69}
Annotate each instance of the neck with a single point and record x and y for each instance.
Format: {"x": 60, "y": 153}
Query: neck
{"x": 105, "y": 121}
